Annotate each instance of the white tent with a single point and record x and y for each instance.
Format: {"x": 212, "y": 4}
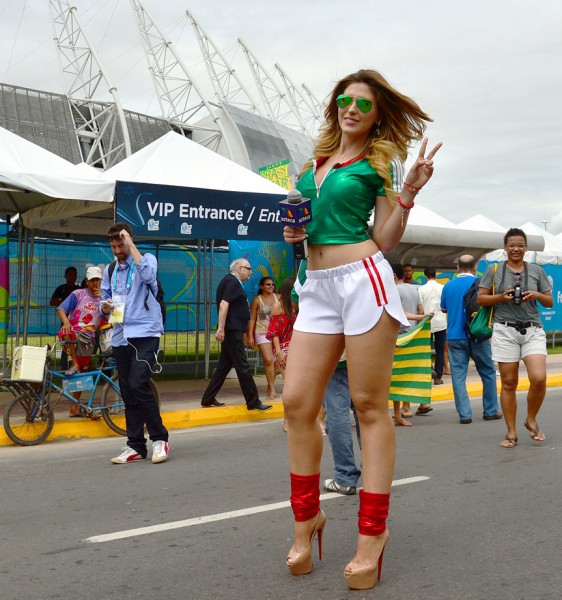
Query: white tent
{"x": 38, "y": 184}
{"x": 176, "y": 160}
{"x": 34, "y": 181}
{"x": 420, "y": 215}
{"x": 481, "y": 223}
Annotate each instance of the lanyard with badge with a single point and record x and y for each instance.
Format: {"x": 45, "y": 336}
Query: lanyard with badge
{"x": 118, "y": 314}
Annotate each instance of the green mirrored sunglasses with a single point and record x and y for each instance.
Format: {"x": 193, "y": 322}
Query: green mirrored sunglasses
{"x": 364, "y": 105}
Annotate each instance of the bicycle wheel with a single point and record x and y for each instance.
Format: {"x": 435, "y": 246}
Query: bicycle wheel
{"x": 23, "y": 428}
{"x": 114, "y": 414}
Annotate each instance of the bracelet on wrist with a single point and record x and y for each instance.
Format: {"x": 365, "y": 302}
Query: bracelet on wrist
{"x": 411, "y": 188}
{"x": 404, "y": 206}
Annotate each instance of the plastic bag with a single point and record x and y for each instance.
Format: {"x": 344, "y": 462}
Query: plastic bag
{"x": 106, "y": 337}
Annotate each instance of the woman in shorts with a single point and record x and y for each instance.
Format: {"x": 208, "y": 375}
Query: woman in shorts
{"x": 518, "y": 333}
{"x": 260, "y": 313}
{"x": 349, "y": 301}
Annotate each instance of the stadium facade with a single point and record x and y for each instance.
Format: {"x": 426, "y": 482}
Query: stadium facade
{"x": 46, "y": 119}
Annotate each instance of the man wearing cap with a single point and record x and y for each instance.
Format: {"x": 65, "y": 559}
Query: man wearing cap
{"x": 80, "y": 316}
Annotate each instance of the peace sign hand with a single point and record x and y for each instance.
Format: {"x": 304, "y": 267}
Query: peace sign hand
{"x": 422, "y": 169}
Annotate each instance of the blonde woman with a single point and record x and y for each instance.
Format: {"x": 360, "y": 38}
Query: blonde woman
{"x": 349, "y": 301}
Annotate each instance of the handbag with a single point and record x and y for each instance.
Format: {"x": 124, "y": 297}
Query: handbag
{"x": 481, "y": 325}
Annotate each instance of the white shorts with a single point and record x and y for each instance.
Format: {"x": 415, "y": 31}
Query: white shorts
{"x": 508, "y": 345}
{"x": 349, "y": 299}
{"x": 261, "y": 339}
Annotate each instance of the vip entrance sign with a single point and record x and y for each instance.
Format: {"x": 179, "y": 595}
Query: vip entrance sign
{"x": 174, "y": 213}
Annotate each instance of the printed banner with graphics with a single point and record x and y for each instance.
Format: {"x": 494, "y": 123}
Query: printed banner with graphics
{"x": 4, "y": 281}
{"x": 178, "y": 272}
{"x": 268, "y": 259}
{"x": 176, "y": 213}
{"x": 278, "y": 173}
{"x": 551, "y": 317}
{"x": 411, "y": 370}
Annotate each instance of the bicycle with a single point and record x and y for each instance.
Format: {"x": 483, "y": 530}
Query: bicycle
{"x": 30, "y": 417}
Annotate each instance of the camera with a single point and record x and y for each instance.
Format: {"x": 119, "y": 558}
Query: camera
{"x": 517, "y": 293}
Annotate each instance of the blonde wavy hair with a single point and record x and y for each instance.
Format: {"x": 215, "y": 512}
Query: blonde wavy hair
{"x": 401, "y": 121}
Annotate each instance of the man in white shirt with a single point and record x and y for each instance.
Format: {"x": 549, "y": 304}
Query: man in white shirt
{"x": 430, "y": 298}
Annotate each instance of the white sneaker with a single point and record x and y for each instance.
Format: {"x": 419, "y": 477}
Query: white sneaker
{"x": 331, "y": 485}
{"x": 159, "y": 451}
{"x": 128, "y": 455}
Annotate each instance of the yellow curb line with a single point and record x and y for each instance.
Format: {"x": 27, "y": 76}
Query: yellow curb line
{"x": 200, "y": 417}
{"x": 74, "y": 429}
{"x": 445, "y": 392}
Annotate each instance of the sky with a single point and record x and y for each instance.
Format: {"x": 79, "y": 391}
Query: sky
{"x": 489, "y": 72}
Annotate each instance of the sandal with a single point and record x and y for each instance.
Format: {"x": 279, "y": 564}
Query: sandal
{"x": 536, "y": 434}
{"x": 509, "y": 442}
{"x": 71, "y": 372}
{"x": 423, "y": 410}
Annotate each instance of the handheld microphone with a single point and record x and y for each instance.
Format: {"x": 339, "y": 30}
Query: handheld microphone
{"x": 294, "y": 212}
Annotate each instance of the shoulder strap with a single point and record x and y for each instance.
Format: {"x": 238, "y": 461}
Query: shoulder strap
{"x": 110, "y": 270}
{"x": 504, "y": 268}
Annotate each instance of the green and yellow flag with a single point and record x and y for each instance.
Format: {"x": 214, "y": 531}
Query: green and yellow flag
{"x": 411, "y": 370}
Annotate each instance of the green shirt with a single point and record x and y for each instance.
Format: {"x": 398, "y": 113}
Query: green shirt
{"x": 342, "y": 204}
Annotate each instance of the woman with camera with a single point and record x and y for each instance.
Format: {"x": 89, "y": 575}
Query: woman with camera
{"x": 518, "y": 333}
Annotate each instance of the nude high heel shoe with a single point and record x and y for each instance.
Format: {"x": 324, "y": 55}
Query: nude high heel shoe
{"x": 365, "y": 578}
{"x": 373, "y": 512}
{"x": 301, "y": 564}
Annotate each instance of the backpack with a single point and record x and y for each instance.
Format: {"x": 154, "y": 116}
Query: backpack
{"x": 471, "y": 306}
{"x": 159, "y": 295}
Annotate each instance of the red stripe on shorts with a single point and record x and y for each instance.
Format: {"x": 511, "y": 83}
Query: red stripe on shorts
{"x": 373, "y": 281}
{"x": 381, "y": 283}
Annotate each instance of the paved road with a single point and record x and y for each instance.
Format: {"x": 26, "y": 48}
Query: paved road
{"x": 484, "y": 525}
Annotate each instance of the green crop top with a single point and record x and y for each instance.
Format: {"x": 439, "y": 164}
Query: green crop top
{"x": 343, "y": 203}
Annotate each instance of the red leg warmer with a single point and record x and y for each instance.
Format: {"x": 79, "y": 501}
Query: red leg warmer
{"x": 373, "y": 512}
{"x": 305, "y": 496}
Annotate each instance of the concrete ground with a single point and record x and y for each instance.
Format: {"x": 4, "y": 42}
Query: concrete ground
{"x": 181, "y": 403}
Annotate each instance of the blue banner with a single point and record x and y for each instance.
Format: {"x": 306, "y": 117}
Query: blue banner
{"x": 552, "y": 317}
{"x": 268, "y": 259}
{"x": 176, "y": 213}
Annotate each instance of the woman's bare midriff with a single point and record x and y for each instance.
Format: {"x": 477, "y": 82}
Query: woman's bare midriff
{"x": 328, "y": 256}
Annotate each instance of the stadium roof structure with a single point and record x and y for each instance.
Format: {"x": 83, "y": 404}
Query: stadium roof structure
{"x": 268, "y": 132}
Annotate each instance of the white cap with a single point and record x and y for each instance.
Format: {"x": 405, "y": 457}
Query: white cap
{"x": 93, "y": 273}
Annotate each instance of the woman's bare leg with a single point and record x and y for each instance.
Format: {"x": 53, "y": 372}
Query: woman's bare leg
{"x": 310, "y": 364}
{"x": 536, "y": 371}
{"x": 266, "y": 352}
{"x": 509, "y": 373}
{"x": 369, "y": 364}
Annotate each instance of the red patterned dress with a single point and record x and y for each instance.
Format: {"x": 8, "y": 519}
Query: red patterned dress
{"x": 281, "y": 326}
